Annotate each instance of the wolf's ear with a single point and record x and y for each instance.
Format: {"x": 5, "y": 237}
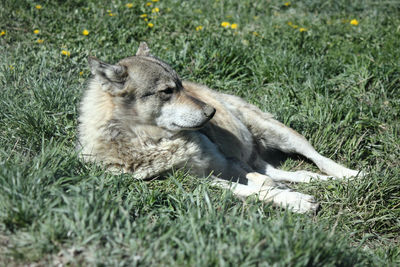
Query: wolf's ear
{"x": 112, "y": 77}
{"x": 143, "y": 50}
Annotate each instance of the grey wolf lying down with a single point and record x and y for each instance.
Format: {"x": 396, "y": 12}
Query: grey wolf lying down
{"x": 137, "y": 116}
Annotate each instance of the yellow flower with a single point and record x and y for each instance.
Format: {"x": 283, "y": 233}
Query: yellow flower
{"x": 287, "y": 4}
{"x": 129, "y": 5}
{"x": 11, "y": 67}
{"x": 36, "y": 31}
{"x": 199, "y": 28}
{"x": 65, "y": 53}
{"x": 81, "y": 73}
{"x": 39, "y": 41}
{"x": 85, "y": 32}
{"x": 109, "y": 11}
{"x": 148, "y": 4}
{"x": 110, "y": 14}
{"x": 225, "y": 24}
{"x": 155, "y": 10}
{"x": 234, "y": 26}
{"x": 256, "y": 34}
{"x": 302, "y": 29}
{"x": 38, "y": 6}
{"x": 2, "y": 33}
{"x": 354, "y": 22}
{"x": 150, "y": 25}
{"x": 154, "y": 1}
{"x": 146, "y": 19}
{"x": 294, "y": 26}
{"x": 143, "y": 15}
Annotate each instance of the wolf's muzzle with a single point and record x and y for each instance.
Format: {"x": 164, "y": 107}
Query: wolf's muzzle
{"x": 209, "y": 111}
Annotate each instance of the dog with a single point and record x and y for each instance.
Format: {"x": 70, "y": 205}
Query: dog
{"x": 137, "y": 116}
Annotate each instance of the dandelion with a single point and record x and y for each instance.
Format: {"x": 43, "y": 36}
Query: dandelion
{"x": 2, "y": 33}
{"x": 143, "y": 15}
{"x": 155, "y": 10}
{"x": 65, "y": 53}
{"x": 36, "y": 31}
{"x": 39, "y": 41}
{"x": 302, "y": 29}
{"x": 111, "y": 14}
{"x": 354, "y": 22}
{"x": 129, "y": 5}
{"x": 85, "y": 32}
{"x": 287, "y": 4}
{"x": 225, "y": 24}
{"x": 234, "y": 26}
{"x": 145, "y": 19}
{"x": 294, "y": 26}
{"x": 199, "y": 28}
{"x": 148, "y": 4}
{"x": 256, "y": 34}
{"x": 150, "y": 25}
{"x": 81, "y": 73}
{"x": 38, "y": 7}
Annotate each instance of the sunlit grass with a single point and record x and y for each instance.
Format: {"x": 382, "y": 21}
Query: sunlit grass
{"x": 329, "y": 71}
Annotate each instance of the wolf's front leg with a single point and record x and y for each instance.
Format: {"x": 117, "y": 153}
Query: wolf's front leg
{"x": 283, "y": 198}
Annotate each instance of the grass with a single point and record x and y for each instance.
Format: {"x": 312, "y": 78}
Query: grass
{"x": 336, "y": 83}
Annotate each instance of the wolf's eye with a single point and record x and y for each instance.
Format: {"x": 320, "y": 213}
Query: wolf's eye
{"x": 168, "y": 91}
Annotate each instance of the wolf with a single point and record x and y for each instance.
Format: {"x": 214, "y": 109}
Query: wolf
{"x": 137, "y": 116}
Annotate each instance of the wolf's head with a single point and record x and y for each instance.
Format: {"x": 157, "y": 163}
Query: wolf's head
{"x": 146, "y": 90}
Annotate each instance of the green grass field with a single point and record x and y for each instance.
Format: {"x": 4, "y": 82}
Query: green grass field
{"x": 329, "y": 69}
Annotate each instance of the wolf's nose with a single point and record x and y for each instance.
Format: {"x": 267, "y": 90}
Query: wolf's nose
{"x": 209, "y": 111}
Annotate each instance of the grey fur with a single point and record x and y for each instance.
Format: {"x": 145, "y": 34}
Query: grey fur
{"x": 138, "y": 117}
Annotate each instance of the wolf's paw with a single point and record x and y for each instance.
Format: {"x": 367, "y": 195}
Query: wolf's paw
{"x": 294, "y": 201}
{"x": 300, "y": 203}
